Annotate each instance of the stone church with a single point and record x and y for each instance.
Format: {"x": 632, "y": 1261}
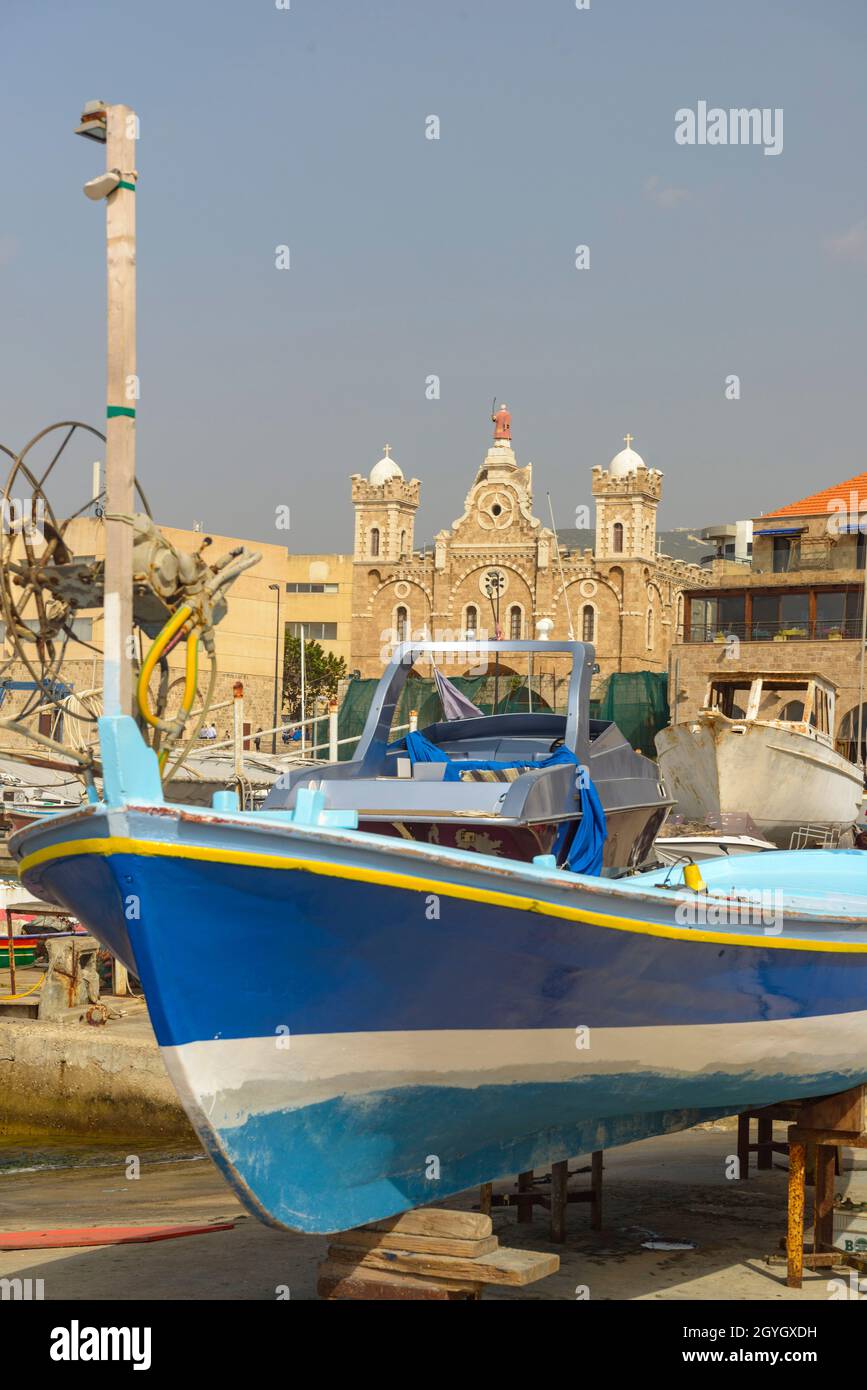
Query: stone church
{"x": 499, "y": 569}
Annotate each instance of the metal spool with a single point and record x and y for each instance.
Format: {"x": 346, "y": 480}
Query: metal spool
{"x": 42, "y": 584}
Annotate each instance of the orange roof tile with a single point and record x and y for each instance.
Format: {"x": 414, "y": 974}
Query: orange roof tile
{"x": 830, "y": 499}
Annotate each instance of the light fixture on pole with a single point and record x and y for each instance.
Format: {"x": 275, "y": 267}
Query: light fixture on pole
{"x": 495, "y": 583}
{"x": 277, "y": 645}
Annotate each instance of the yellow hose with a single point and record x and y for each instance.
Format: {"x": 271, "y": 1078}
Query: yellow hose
{"x": 39, "y": 983}
{"x": 162, "y": 639}
{"x": 190, "y": 684}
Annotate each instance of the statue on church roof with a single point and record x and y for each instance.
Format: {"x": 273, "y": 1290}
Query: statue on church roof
{"x": 502, "y": 421}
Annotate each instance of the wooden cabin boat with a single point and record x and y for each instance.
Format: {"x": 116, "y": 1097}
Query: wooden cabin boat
{"x": 763, "y": 745}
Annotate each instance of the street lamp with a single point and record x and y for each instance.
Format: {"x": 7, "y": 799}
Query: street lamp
{"x": 277, "y": 645}
{"x": 494, "y": 586}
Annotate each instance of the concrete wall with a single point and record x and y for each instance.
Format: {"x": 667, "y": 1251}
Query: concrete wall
{"x": 83, "y": 1081}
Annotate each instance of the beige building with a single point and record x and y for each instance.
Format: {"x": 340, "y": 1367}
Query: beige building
{"x": 292, "y": 590}
{"x": 794, "y": 608}
{"x": 499, "y": 566}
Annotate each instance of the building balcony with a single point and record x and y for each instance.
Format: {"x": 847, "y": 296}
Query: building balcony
{"x": 822, "y": 630}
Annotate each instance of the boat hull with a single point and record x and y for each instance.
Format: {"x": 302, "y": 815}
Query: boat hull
{"x": 357, "y": 1026}
{"x": 782, "y": 779}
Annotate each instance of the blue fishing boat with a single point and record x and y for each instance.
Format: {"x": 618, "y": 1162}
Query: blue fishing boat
{"x": 358, "y": 1024}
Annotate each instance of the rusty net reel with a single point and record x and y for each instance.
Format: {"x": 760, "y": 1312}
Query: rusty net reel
{"x": 43, "y": 585}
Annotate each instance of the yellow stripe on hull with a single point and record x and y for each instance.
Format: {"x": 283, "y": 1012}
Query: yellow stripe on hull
{"x": 110, "y": 845}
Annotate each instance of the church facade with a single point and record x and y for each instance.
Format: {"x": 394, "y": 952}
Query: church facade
{"x": 499, "y": 569}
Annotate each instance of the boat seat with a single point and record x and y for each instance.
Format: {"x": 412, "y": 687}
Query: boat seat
{"x": 492, "y": 774}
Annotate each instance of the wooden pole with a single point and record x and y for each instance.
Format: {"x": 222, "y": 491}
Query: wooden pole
{"x": 121, "y": 400}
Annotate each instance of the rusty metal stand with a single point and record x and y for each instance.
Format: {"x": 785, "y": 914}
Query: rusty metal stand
{"x": 823, "y": 1128}
{"x": 527, "y": 1195}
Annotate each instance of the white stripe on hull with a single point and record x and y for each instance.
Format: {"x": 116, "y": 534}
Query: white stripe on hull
{"x": 232, "y": 1079}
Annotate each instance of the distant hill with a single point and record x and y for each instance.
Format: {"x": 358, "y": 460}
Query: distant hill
{"x": 680, "y": 544}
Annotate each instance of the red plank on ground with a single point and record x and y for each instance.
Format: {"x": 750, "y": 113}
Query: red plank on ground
{"x": 101, "y": 1235}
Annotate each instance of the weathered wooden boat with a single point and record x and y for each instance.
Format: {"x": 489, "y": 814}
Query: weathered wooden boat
{"x": 358, "y": 1024}
{"x": 763, "y": 745}
{"x": 501, "y": 784}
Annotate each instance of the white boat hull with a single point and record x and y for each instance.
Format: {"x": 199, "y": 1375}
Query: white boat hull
{"x": 781, "y": 778}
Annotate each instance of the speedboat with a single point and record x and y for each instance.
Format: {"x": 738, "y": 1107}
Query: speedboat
{"x": 358, "y": 1024}
{"x": 512, "y": 785}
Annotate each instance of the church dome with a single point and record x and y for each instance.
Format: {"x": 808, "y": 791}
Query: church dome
{"x": 626, "y": 461}
{"x": 386, "y": 469}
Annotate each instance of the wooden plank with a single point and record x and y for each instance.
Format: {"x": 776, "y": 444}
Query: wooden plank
{"x": 432, "y": 1245}
{"x": 845, "y": 1110}
{"x": 844, "y": 1139}
{"x": 437, "y": 1221}
{"x": 346, "y": 1281}
{"x": 515, "y": 1267}
{"x": 76, "y": 1237}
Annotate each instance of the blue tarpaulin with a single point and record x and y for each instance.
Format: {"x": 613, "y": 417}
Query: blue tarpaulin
{"x": 585, "y": 852}
{"x": 421, "y": 750}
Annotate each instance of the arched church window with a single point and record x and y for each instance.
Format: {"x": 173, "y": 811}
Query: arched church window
{"x": 402, "y": 544}
{"x": 516, "y": 618}
{"x": 650, "y": 627}
{"x": 618, "y": 538}
{"x": 374, "y": 541}
{"x": 588, "y": 623}
{"x": 471, "y": 621}
{"x": 401, "y": 623}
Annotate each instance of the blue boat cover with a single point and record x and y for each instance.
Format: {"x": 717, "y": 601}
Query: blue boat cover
{"x": 421, "y": 750}
{"x": 585, "y": 852}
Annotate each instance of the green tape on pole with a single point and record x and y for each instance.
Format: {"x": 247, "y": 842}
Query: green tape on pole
{"x": 113, "y": 410}
{"x": 124, "y": 184}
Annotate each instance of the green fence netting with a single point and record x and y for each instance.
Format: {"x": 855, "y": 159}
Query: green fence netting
{"x": 420, "y": 694}
{"x": 637, "y": 702}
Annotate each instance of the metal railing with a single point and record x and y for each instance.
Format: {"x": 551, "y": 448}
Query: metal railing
{"x": 821, "y": 630}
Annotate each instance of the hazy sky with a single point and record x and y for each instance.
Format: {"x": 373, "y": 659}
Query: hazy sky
{"x": 305, "y": 127}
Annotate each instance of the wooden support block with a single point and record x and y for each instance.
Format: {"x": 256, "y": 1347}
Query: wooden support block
{"x": 847, "y": 1110}
{"x": 436, "y": 1221}
{"x": 596, "y": 1190}
{"x": 743, "y": 1146}
{"x": 345, "y": 1281}
{"x": 823, "y": 1203}
{"x": 363, "y": 1239}
{"x": 559, "y": 1199}
{"x": 512, "y": 1267}
{"x": 524, "y": 1199}
{"x": 764, "y": 1147}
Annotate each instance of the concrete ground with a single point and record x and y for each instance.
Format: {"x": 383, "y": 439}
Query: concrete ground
{"x": 673, "y": 1188}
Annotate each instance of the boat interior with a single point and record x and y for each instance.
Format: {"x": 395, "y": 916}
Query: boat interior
{"x": 804, "y": 703}
{"x": 458, "y": 766}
